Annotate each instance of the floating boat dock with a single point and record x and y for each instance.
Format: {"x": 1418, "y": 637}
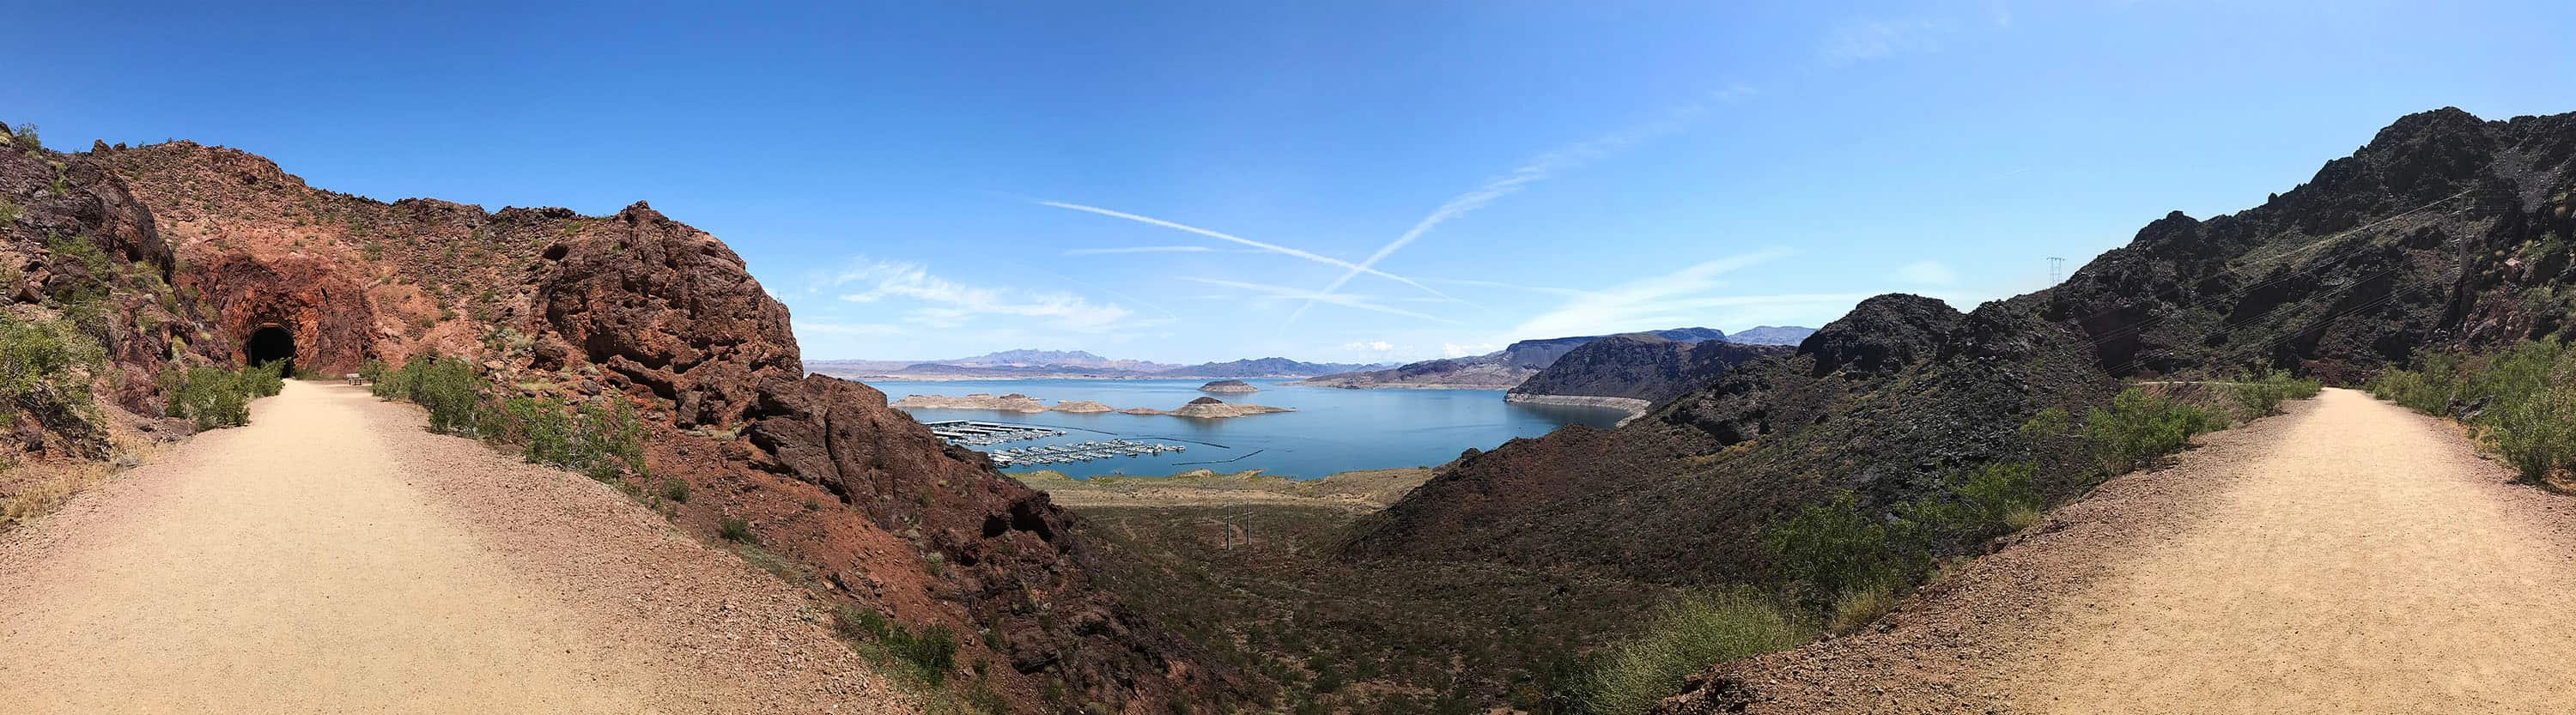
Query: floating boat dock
{"x": 984, "y": 434}
{"x": 971, "y": 433}
{"x": 1078, "y": 452}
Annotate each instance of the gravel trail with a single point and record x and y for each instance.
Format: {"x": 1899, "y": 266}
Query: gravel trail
{"x": 333, "y": 557}
{"x": 2369, "y": 564}
{"x": 2348, "y": 557}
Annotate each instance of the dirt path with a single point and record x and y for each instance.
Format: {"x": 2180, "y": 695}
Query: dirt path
{"x": 2350, "y": 557}
{"x": 333, "y": 558}
{"x": 2369, "y": 564}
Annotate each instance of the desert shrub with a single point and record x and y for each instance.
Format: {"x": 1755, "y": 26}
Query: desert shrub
{"x": 601, "y": 439}
{"x": 611, "y": 441}
{"x": 2521, "y": 401}
{"x": 1682, "y": 639}
{"x": 2261, "y": 394}
{"x": 1835, "y": 547}
{"x": 264, "y": 379}
{"x": 736, "y": 530}
{"x": 9, "y": 212}
{"x": 930, "y": 653}
{"x": 1982, "y": 502}
{"x": 2138, "y": 427}
{"x": 446, "y": 386}
{"x": 210, "y": 397}
{"x": 395, "y": 383}
{"x": 450, "y": 390}
{"x": 675, "y": 490}
{"x": 544, "y": 431}
{"x": 45, "y": 354}
{"x": 24, "y": 138}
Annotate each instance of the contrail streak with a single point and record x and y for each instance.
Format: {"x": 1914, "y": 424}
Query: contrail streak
{"x": 1271, "y": 247}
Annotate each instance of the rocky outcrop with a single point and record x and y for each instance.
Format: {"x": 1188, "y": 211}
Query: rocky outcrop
{"x": 1640, "y": 367}
{"x": 704, "y": 340}
{"x": 1228, "y": 386}
{"x": 1209, "y": 408}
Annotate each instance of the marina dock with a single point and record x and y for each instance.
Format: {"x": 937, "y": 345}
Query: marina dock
{"x": 971, "y": 433}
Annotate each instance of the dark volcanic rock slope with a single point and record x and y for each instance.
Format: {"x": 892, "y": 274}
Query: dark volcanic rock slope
{"x": 1639, "y": 366}
{"x": 204, "y": 245}
{"x": 2443, "y": 231}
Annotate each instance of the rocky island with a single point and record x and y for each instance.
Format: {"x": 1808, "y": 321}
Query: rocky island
{"x": 1204, "y": 407}
{"x": 1209, "y": 408}
{"x": 1236, "y": 386}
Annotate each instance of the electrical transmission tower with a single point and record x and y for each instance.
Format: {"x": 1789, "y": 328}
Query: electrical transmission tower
{"x": 2056, "y": 269}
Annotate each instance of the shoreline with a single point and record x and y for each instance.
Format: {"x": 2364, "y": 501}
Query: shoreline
{"x": 1634, "y": 407}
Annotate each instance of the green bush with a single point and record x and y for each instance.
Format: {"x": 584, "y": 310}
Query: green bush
{"x": 446, "y": 386}
{"x": 24, "y": 138}
{"x": 2262, "y": 394}
{"x": 675, "y": 490}
{"x": 216, "y": 397}
{"x": 1983, "y": 502}
{"x": 736, "y": 530}
{"x": 602, "y": 439}
{"x": 2521, "y": 402}
{"x": 1834, "y": 548}
{"x": 1682, "y": 639}
{"x": 2138, "y": 427}
{"x": 931, "y": 653}
{"x": 38, "y": 355}
{"x": 611, "y": 440}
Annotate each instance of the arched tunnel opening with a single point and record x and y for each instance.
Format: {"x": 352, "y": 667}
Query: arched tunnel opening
{"x": 271, "y": 344}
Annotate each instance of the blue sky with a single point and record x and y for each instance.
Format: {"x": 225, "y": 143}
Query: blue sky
{"x": 1352, "y": 181}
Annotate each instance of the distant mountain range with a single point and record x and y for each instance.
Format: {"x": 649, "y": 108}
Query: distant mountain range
{"x": 1771, "y": 335}
{"x": 1073, "y": 363}
{"x": 1518, "y": 362}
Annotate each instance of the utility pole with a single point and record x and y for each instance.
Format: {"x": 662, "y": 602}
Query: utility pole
{"x": 2056, "y": 270}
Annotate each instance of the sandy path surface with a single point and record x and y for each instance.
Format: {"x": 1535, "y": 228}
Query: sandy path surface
{"x": 2348, "y": 557}
{"x": 2366, "y": 564}
{"x": 334, "y": 558}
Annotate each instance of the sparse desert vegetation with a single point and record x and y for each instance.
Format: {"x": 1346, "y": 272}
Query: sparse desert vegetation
{"x": 2520, "y": 402}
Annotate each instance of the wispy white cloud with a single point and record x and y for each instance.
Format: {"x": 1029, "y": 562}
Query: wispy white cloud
{"x": 1931, "y": 273}
{"x": 1512, "y": 286}
{"x": 1685, "y": 297}
{"x": 1372, "y": 346}
{"x": 1344, "y": 300}
{"x": 1457, "y": 350}
{"x": 865, "y": 330}
{"x": 1537, "y": 169}
{"x": 947, "y": 304}
{"x": 1865, "y": 40}
{"x": 1271, "y": 247}
{"x": 1138, "y": 249}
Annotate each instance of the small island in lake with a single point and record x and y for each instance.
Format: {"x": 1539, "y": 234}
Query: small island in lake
{"x": 1204, "y": 407}
{"x": 1228, "y": 386}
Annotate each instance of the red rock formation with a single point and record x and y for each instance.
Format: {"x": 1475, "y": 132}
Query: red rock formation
{"x": 668, "y": 307}
{"x": 328, "y": 314}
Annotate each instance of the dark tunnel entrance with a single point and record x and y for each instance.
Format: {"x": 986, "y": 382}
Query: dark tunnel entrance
{"x": 271, "y": 344}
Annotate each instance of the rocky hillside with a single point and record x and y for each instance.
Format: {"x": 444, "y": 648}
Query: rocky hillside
{"x": 2443, "y": 231}
{"x": 179, "y": 252}
{"x": 1639, "y": 366}
{"x": 1501, "y": 369}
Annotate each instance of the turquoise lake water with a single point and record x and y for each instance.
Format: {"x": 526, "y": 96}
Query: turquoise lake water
{"x": 1333, "y": 429}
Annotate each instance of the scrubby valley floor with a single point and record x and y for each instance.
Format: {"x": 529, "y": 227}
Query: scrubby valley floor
{"x": 2348, "y": 557}
{"x": 335, "y": 557}
{"x": 1246, "y": 565}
